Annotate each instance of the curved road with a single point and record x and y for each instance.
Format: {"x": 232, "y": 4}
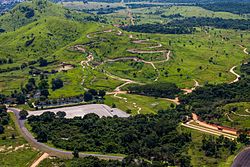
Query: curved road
{"x": 242, "y": 159}
{"x": 50, "y": 150}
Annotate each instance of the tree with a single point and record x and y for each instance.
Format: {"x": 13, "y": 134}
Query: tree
{"x": 93, "y": 92}
{"x": 23, "y": 114}
{"x": 42, "y": 136}
{"x": 75, "y": 153}
{"x": 243, "y": 138}
{"x": 42, "y": 62}
{"x": 20, "y": 98}
{"x": 56, "y": 83}
{"x": 61, "y": 114}
{"x": 45, "y": 92}
{"x": 88, "y": 96}
{"x": 102, "y": 93}
{"x": 1, "y": 129}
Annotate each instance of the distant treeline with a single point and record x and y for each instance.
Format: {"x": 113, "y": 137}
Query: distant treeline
{"x": 245, "y": 68}
{"x": 142, "y": 5}
{"x": 213, "y": 22}
{"x": 167, "y": 90}
{"x": 187, "y": 25}
{"x": 238, "y": 7}
{"x": 162, "y": 1}
{"x": 159, "y": 28}
{"x": 172, "y": 16}
{"x": 104, "y": 10}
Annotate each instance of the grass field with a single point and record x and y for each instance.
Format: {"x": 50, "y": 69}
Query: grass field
{"x": 147, "y": 104}
{"x": 15, "y": 152}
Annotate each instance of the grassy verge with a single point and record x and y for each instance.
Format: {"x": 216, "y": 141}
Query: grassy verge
{"x": 15, "y": 151}
{"x": 198, "y": 157}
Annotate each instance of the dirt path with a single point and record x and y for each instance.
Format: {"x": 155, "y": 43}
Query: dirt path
{"x": 176, "y": 100}
{"x": 241, "y": 115}
{"x": 40, "y": 159}
{"x": 207, "y": 130}
{"x": 228, "y": 117}
{"x": 187, "y": 91}
{"x": 86, "y": 62}
{"x": 244, "y": 49}
{"x": 136, "y": 51}
{"x": 234, "y": 73}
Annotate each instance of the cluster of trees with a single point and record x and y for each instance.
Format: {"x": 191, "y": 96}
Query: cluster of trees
{"x": 237, "y": 7}
{"x": 42, "y": 63}
{"x": 245, "y": 68}
{"x": 213, "y": 22}
{"x": 92, "y": 94}
{"x": 167, "y": 90}
{"x": 205, "y": 100}
{"x": 187, "y": 25}
{"x": 159, "y": 28}
{"x": 172, "y": 16}
{"x": 4, "y": 118}
{"x": 56, "y": 83}
{"x": 143, "y": 5}
{"x": 6, "y": 61}
{"x": 28, "y": 12}
{"x": 213, "y": 146}
{"x": 153, "y": 137}
{"x": 106, "y": 10}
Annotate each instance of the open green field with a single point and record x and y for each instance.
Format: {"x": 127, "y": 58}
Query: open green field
{"x": 134, "y": 102}
{"x": 15, "y": 152}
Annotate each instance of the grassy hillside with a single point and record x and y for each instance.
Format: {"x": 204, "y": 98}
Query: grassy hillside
{"x": 27, "y": 12}
{"x": 43, "y": 38}
{"x": 15, "y": 151}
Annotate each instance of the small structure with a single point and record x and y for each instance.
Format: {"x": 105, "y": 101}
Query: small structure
{"x": 224, "y": 129}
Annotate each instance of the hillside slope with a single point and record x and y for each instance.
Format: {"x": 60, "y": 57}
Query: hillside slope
{"x": 27, "y": 12}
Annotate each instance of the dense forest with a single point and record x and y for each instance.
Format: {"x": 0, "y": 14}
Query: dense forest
{"x": 245, "y": 68}
{"x": 213, "y": 22}
{"x": 153, "y": 137}
{"x": 205, "y": 100}
{"x": 159, "y": 28}
{"x": 233, "y": 7}
{"x": 4, "y": 118}
{"x": 169, "y": 90}
{"x": 187, "y": 25}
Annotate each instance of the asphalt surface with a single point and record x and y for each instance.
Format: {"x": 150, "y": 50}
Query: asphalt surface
{"x": 79, "y": 111}
{"x": 50, "y": 150}
{"x": 242, "y": 159}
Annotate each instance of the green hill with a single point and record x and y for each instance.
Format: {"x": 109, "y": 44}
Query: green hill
{"x": 27, "y": 12}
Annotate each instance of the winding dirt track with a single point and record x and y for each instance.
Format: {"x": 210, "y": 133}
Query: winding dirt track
{"x": 244, "y": 49}
{"x": 234, "y": 73}
{"x": 40, "y": 159}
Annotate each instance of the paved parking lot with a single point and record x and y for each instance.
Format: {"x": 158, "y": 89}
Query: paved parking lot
{"x": 101, "y": 110}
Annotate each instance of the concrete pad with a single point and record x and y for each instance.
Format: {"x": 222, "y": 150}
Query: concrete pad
{"x": 101, "y": 110}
